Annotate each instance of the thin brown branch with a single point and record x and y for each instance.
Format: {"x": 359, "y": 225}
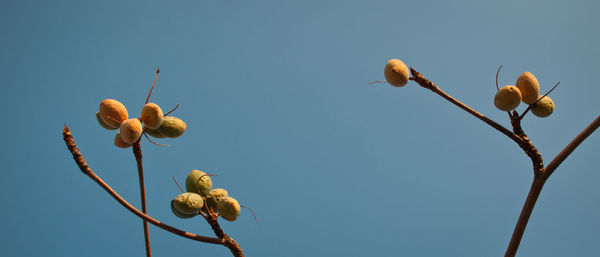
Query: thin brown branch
{"x": 560, "y": 157}
{"x": 82, "y": 164}
{"x": 534, "y": 193}
{"x": 137, "y": 152}
{"x": 233, "y": 246}
{"x": 165, "y": 115}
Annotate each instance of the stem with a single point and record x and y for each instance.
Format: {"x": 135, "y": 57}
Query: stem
{"x": 80, "y": 161}
{"x": 560, "y": 157}
{"x": 534, "y": 192}
{"x": 137, "y": 152}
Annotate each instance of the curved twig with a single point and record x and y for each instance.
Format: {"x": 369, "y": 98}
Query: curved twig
{"x": 82, "y": 164}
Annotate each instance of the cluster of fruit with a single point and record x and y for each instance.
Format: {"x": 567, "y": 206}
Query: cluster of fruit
{"x": 527, "y": 89}
{"x": 113, "y": 115}
{"x": 200, "y": 195}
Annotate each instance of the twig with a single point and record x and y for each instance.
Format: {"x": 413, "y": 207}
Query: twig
{"x": 82, "y": 164}
{"x": 137, "y": 152}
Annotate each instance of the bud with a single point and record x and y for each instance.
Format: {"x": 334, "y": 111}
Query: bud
{"x": 113, "y": 112}
{"x": 507, "y": 98}
{"x": 396, "y": 73}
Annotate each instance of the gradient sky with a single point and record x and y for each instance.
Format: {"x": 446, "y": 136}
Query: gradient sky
{"x": 276, "y": 98}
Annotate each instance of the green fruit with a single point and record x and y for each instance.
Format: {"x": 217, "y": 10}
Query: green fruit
{"x": 131, "y": 130}
{"x": 529, "y": 86}
{"x": 507, "y": 98}
{"x": 152, "y": 115}
{"x": 154, "y": 133}
{"x": 229, "y": 209}
{"x": 119, "y": 141}
{"x": 179, "y": 214}
{"x": 101, "y": 122}
{"x": 198, "y": 182}
{"x": 396, "y": 73}
{"x": 172, "y": 127}
{"x": 113, "y": 112}
{"x": 188, "y": 203}
{"x": 214, "y": 196}
{"x": 543, "y": 108}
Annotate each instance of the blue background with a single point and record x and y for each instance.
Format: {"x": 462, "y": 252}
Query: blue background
{"x": 276, "y": 98}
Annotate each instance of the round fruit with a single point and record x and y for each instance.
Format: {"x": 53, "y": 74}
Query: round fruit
{"x": 198, "y": 182}
{"x": 507, "y": 98}
{"x": 154, "y": 133}
{"x": 172, "y": 127}
{"x": 214, "y": 196}
{"x": 543, "y": 108}
{"x": 113, "y": 112}
{"x": 152, "y": 115}
{"x": 188, "y": 203}
{"x": 179, "y": 214}
{"x": 119, "y": 141}
{"x": 529, "y": 86}
{"x": 229, "y": 209}
{"x": 396, "y": 73}
{"x": 101, "y": 122}
{"x": 131, "y": 130}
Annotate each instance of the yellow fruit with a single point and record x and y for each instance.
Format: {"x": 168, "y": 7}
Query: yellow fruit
{"x": 154, "y": 133}
{"x": 396, "y": 73}
{"x": 543, "y": 108}
{"x": 101, "y": 122}
{"x": 119, "y": 141}
{"x": 113, "y": 112}
{"x": 229, "y": 209}
{"x": 131, "y": 130}
{"x": 529, "y": 86}
{"x": 152, "y": 115}
{"x": 507, "y": 98}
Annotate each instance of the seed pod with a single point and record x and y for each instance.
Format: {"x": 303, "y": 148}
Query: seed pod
{"x": 179, "y": 214}
{"x": 187, "y": 203}
{"x": 152, "y": 115}
{"x": 507, "y": 98}
{"x": 543, "y": 108}
{"x": 101, "y": 122}
{"x": 198, "y": 182}
{"x": 154, "y": 133}
{"x": 113, "y": 112}
{"x": 214, "y": 196}
{"x": 172, "y": 127}
{"x": 396, "y": 73}
{"x": 131, "y": 130}
{"x": 119, "y": 141}
{"x": 229, "y": 209}
{"x": 529, "y": 86}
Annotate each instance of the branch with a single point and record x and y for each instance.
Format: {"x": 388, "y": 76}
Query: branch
{"x": 560, "y": 157}
{"x": 80, "y": 161}
{"x": 137, "y": 152}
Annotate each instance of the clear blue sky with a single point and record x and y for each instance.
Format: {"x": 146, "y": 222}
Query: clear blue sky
{"x": 277, "y": 104}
